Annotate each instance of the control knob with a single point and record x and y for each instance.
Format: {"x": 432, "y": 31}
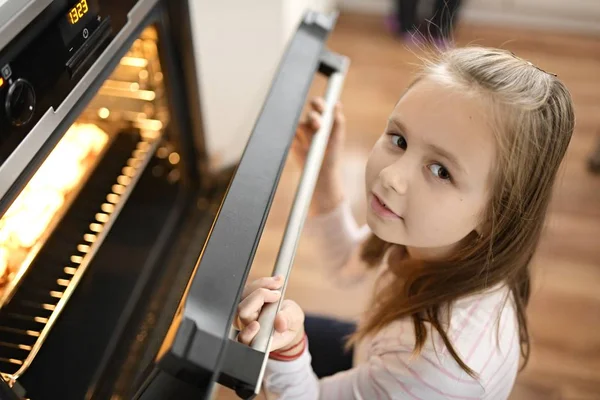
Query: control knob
{"x": 20, "y": 102}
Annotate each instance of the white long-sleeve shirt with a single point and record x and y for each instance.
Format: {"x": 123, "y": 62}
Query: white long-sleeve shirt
{"x": 384, "y": 367}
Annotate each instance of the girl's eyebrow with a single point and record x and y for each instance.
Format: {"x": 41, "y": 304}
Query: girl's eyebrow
{"x": 448, "y": 156}
{"x": 398, "y": 124}
{"x": 436, "y": 149}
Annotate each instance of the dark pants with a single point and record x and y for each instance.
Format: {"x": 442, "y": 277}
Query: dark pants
{"x": 326, "y": 339}
{"x": 440, "y": 25}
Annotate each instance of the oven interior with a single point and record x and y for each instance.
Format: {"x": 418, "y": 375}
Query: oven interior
{"x": 97, "y": 249}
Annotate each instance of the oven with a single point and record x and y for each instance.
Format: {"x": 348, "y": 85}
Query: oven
{"x": 123, "y": 251}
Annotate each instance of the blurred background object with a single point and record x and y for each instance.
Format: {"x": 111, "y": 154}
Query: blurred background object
{"x": 559, "y": 36}
{"x": 435, "y": 26}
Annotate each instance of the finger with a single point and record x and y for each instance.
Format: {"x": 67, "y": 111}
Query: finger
{"x": 318, "y": 104}
{"x": 339, "y": 117}
{"x": 281, "y": 324}
{"x": 339, "y": 124}
{"x": 299, "y": 149}
{"x": 282, "y": 339}
{"x": 289, "y": 317}
{"x": 268, "y": 282}
{"x": 302, "y": 134}
{"x": 237, "y": 324}
{"x": 288, "y": 323}
{"x": 248, "y": 333}
{"x": 339, "y": 110}
{"x": 314, "y": 118}
{"x": 249, "y": 308}
{"x": 296, "y": 145}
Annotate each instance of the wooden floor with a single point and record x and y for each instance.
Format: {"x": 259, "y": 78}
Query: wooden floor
{"x": 564, "y": 313}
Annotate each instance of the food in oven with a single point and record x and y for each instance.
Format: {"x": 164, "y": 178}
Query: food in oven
{"x": 32, "y": 214}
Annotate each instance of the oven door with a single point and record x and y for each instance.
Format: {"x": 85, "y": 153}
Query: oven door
{"x": 199, "y": 349}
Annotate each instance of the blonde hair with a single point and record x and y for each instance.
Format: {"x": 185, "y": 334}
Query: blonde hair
{"x": 533, "y": 119}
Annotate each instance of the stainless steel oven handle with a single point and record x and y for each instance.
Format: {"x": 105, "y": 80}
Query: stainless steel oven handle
{"x": 300, "y": 206}
{"x": 16, "y": 15}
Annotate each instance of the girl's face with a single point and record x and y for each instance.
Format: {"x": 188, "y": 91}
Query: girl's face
{"x": 427, "y": 176}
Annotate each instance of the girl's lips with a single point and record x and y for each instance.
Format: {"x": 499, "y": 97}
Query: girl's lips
{"x": 380, "y": 209}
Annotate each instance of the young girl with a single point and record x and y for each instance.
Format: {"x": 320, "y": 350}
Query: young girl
{"x": 458, "y": 187}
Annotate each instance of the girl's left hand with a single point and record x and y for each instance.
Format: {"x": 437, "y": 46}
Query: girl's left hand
{"x": 289, "y": 322}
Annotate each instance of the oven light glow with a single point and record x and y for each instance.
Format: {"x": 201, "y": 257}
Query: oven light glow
{"x": 174, "y": 158}
{"x": 3, "y": 261}
{"x": 162, "y": 152}
{"x": 112, "y": 198}
{"x": 128, "y": 171}
{"x": 107, "y": 208}
{"x": 70, "y": 270}
{"x": 147, "y": 95}
{"x": 34, "y": 210}
{"x": 94, "y": 227}
{"x": 76, "y": 259}
{"x": 144, "y": 146}
{"x": 101, "y": 217}
{"x": 63, "y": 282}
{"x": 124, "y": 180}
{"x": 104, "y": 113}
{"x": 134, "y": 62}
{"x": 151, "y": 124}
{"x": 137, "y": 153}
{"x": 142, "y": 116}
{"x": 118, "y": 189}
{"x": 132, "y": 162}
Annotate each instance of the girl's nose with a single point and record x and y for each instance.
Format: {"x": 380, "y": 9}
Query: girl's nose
{"x": 395, "y": 177}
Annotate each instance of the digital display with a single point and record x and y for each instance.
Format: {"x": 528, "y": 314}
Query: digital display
{"x": 78, "y": 21}
{"x": 77, "y": 12}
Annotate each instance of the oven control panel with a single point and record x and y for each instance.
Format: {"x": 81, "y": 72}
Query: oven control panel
{"x": 37, "y": 71}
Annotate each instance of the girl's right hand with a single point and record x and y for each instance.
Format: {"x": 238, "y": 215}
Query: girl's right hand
{"x": 289, "y": 321}
{"x": 328, "y": 192}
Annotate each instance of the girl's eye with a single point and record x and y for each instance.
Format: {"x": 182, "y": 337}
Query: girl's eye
{"x": 399, "y": 141}
{"x": 440, "y": 172}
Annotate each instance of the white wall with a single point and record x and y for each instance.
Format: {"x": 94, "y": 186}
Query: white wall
{"x": 237, "y": 47}
{"x": 239, "y": 44}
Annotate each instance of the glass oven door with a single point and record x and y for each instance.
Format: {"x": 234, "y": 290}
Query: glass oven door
{"x": 199, "y": 349}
